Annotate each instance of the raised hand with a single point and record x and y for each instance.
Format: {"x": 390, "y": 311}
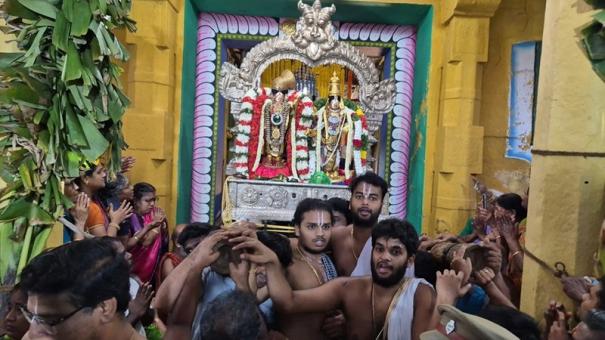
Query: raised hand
{"x": 559, "y": 330}
{"x": 80, "y": 210}
{"x": 139, "y": 305}
{"x": 119, "y": 215}
{"x": 461, "y": 264}
{"x": 241, "y": 228}
{"x": 575, "y": 287}
{"x": 485, "y": 276}
{"x": 507, "y": 227}
{"x": 450, "y": 285}
{"x": 482, "y": 216}
{"x": 159, "y": 216}
{"x": 257, "y": 252}
{"x": 494, "y": 255}
{"x": 127, "y": 163}
{"x": 207, "y": 251}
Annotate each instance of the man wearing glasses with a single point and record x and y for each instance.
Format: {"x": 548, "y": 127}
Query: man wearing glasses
{"x": 78, "y": 291}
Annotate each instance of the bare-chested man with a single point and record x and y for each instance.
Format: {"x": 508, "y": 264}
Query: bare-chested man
{"x": 367, "y": 195}
{"x": 383, "y": 305}
{"x": 311, "y": 267}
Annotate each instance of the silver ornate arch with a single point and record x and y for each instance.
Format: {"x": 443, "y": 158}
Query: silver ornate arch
{"x": 313, "y": 44}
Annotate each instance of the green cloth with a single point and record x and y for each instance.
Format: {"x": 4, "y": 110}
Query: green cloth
{"x": 468, "y": 228}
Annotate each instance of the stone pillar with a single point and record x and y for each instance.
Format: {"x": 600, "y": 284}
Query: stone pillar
{"x": 459, "y": 148}
{"x": 150, "y": 84}
{"x": 566, "y": 203}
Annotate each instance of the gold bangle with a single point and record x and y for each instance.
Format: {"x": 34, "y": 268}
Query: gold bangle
{"x": 114, "y": 225}
{"x": 136, "y": 237}
{"x": 515, "y": 253}
{"x": 155, "y": 230}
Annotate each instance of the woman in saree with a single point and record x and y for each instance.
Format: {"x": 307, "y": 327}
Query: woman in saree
{"x": 102, "y": 220}
{"x": 148, "y": 230}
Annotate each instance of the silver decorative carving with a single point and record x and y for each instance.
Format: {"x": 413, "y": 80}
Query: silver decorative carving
{"x": 259, "y": 201}
{"x": 313, "y": 44}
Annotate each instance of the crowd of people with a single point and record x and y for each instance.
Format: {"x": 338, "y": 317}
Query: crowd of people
{"x": 346, "y": 273}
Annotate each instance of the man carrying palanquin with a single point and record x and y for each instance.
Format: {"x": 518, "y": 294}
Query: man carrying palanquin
{"x": 384, "y": 305}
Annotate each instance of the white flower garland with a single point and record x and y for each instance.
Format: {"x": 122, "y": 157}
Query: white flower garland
{"x": 243, "y": 133}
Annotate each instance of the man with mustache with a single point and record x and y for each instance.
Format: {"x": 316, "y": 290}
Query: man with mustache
{"x": 384, "y": 305}
{"x": 311, "y": 267}
{"x": 353, "y": 242}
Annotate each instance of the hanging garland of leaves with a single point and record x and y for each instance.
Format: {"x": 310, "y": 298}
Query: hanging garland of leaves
{"x": 593, "y": 38}
{"x": 60, "y": 106}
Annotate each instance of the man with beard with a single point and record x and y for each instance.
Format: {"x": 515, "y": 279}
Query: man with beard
{"x": 384, "y": 305}
{"x": 311, "y": 267}
{"x": 352, "y": 243}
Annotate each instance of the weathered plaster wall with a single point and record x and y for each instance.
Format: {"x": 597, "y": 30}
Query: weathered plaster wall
{"x": 515, "y": 21}
{"x": 567, "y": 196}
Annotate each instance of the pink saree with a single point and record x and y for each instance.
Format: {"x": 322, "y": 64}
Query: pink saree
{"x": 145, "y": 259}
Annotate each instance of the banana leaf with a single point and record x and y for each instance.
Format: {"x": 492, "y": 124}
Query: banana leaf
{"x": 97, "y": 144}
{"x": 14, "y": 8}
{"x": 81, "y": 21}
{"x": 72, "y": 66}
{"x": 60, "y": 36}
{"x": 42, "y": 7}
{"x": 9, "y": 250}
{"x": 24, "y": 256}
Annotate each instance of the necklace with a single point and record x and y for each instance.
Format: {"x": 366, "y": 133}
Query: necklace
{"x": 310, "y": 265}
{"x": 353, "y": 248}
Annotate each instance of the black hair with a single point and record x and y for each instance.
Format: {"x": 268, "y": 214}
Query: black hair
{"x": 194, "y": 230}
{"x": 141, "y": 189}
{"x": 372, "y": 179}
{"x": 397, "y": 228}
{"x": 342, "y": 206}
{"x": 87, "y": 271}
{"x": 279, "y": 244}
{"x": 311, "y": 204}
{"x": 244, "y": 320}
{"x": 512, "y": 201}
{"x": 18, "y": 288}
{"x": 113, "y": 188}
{"x": 426, "y": 267}
{"x": 517, "y": 322}
{"x": 90, "y": 169}
{"x": 595, "y": 320}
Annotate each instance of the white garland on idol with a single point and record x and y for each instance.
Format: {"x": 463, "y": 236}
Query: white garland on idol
{"x": 349, "y": 149}
{"x": 357, "y": 152}
{"x": 302, "y": 155}
{"x": 243, "y": 133}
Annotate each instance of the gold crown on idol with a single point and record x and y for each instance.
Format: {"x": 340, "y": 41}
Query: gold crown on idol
{"x": 285, "y": 81}
{"x": 334, "y": 89}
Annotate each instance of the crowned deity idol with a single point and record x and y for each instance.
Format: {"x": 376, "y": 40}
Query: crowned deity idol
{"x": 271, "y": 140}
{"x": 340, "y": 138}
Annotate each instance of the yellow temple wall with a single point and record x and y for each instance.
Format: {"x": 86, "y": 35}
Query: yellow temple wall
{"x": 515, "y": 21}
{"x": 151, "y": 79}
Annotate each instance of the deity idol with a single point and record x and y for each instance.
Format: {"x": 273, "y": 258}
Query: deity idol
{"x": 341, "y": 135}
{"x": 271, "y": 141}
